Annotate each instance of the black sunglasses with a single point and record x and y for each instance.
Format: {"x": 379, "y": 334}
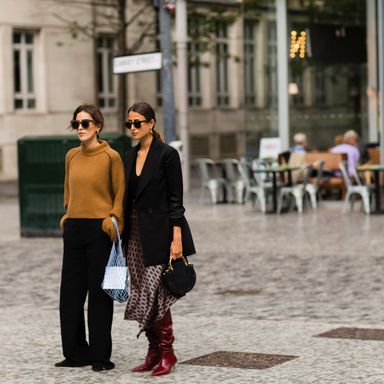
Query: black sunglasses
{"x": 136, "y": 123}
{"x": 75, "y": 124}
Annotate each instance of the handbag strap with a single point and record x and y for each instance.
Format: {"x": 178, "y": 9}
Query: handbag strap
{"x": 184, "y": 258}
{"x": 114, "y": 221}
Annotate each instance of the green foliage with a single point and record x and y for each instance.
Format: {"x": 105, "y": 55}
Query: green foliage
{"x": 350, "y": 12}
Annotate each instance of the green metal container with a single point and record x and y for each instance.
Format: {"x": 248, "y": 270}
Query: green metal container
{"x": 41, "y": 179}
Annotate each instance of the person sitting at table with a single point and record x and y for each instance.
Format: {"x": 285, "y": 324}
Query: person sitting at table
{"x": 297, "y": 156}
{"x": 300, "y": 143}
{"x": 349, "y": 147}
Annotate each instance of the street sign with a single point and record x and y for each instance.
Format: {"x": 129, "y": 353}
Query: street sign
{"x": 137, "y": 63}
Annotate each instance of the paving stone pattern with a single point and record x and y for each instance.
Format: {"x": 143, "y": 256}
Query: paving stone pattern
{"x": 266, "y": 284}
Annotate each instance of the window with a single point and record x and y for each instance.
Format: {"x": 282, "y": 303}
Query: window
{"x": 272, "y": 64}
{"x": 200, "y": 146}
{"x": 23, "y": 69}
{"x": 105, "y": 81}
{"x": 298, "y": 95}
{"x": 228, "y": 145}
{"x": 194, "y": 65}
{"x": 320, "y": 86}
{"x": 249, "y": 62}
{"x": 222, "y": 59}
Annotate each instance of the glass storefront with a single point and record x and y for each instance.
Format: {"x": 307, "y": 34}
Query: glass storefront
{"x": 327, "y": 71}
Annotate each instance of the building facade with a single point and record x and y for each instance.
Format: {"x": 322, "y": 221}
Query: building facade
{"x": 55, "y": 55}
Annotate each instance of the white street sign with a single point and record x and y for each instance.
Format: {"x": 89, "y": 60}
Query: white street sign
{"x": 137, "y": 63}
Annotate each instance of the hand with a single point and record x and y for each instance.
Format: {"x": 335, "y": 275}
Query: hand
{"x": 62, "y": 221}
{"x": 108, "y": 227}
{"x": 176, "y": 250}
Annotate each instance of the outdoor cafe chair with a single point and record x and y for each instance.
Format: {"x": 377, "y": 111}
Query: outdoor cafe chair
{"x": 210, "y": 180}
{"x": 234, "y": 182}
{"x": 178, "y": 145}
{"x": 364, "y": 191}
{"x": 313, "y": 187}
{"x": 254, "y": 185}
{"x": 296, "y": 192}
{"x": 263, "y": 164}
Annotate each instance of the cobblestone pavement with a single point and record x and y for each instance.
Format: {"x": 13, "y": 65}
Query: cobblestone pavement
{"x": 266, "y": 284}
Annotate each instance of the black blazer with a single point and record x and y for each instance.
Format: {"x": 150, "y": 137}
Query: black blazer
{"x": 158, "y": 202}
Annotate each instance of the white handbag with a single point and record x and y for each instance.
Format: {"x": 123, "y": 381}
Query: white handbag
{"x": 116, "y": 276}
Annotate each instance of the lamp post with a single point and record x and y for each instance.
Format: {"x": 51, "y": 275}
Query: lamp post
{"x": 166, "y": 69}
{"x": 380, "y": 22}
{"x": 181, "y": 43}
{"x": 282, "y": 69}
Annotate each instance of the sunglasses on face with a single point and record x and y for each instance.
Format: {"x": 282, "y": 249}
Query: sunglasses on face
{"x": 136, "y": 123}
{"x": 75, "y": 124}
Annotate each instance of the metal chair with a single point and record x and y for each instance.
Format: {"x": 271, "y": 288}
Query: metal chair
{"x": 210, "y": 179}
{"x": 359, "y": 189}
{"x": 313, "y": 188}
{"x": 254, "y": 185}
{"x": 235, "y": 184}
{"x": 178, "y": 145}
{"x": 296, "y": 191}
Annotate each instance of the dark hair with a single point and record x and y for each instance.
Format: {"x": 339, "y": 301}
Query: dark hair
{"x": 94, "y": 111}
{"x": 147, "y": 111}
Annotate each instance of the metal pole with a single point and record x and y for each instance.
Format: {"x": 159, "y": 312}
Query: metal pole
{"x": 182, "y": 81}
{"x": 282, "y": 72}
{"x": 166, "y": 72}
{"x": 380, "y": 23}
{"x": 122, "y": 79}
{"x": 372, "y": 70}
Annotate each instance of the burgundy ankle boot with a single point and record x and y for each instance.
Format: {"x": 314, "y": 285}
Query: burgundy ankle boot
{"x": 153, "y": 354}
{"x": 164, "y": 332}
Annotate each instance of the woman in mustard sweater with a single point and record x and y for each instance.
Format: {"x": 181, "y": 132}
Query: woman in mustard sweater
{"x": 93, "y": 193}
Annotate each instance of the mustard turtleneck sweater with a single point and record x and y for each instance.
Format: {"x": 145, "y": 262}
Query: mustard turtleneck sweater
{"x": 94, "y": 185}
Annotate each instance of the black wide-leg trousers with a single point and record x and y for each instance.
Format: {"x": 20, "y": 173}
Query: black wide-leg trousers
{"x": 86, "y": 253}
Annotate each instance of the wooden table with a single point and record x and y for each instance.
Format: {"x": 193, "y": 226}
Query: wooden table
{"x": 274, "y": 171}
{"x": 376, "y": 169}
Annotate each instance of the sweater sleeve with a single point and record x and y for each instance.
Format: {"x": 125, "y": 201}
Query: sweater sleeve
{"x": 118, "y": 186}
{"x": 66, "y": 185}
{"x": 66, "y": 190}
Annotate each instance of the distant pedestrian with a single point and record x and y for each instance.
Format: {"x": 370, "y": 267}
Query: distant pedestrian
{"x": 156, "y": 230}
{"x": 350, "y": 148}
{"x": 93, "y": 193}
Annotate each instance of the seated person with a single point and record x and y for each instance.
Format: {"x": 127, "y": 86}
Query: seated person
{"x": 297, "y": 156}
{"x": 300, "y": 141}
{"x": 349, "y": 146}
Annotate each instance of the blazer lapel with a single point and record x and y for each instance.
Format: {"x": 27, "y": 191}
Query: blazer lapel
{"x": 149, "y": 166}
{"x": 131, "y": 156}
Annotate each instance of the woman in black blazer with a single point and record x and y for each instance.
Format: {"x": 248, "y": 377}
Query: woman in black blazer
{"x": 156, "y": 230}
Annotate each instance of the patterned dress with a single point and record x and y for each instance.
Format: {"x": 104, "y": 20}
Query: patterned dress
{"x": 148, "y": 299}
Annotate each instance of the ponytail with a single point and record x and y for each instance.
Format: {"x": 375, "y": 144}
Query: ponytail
{"x": 156, "y": 135}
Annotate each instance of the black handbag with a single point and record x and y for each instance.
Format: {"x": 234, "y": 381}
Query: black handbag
{"x": 179, "y": 276}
